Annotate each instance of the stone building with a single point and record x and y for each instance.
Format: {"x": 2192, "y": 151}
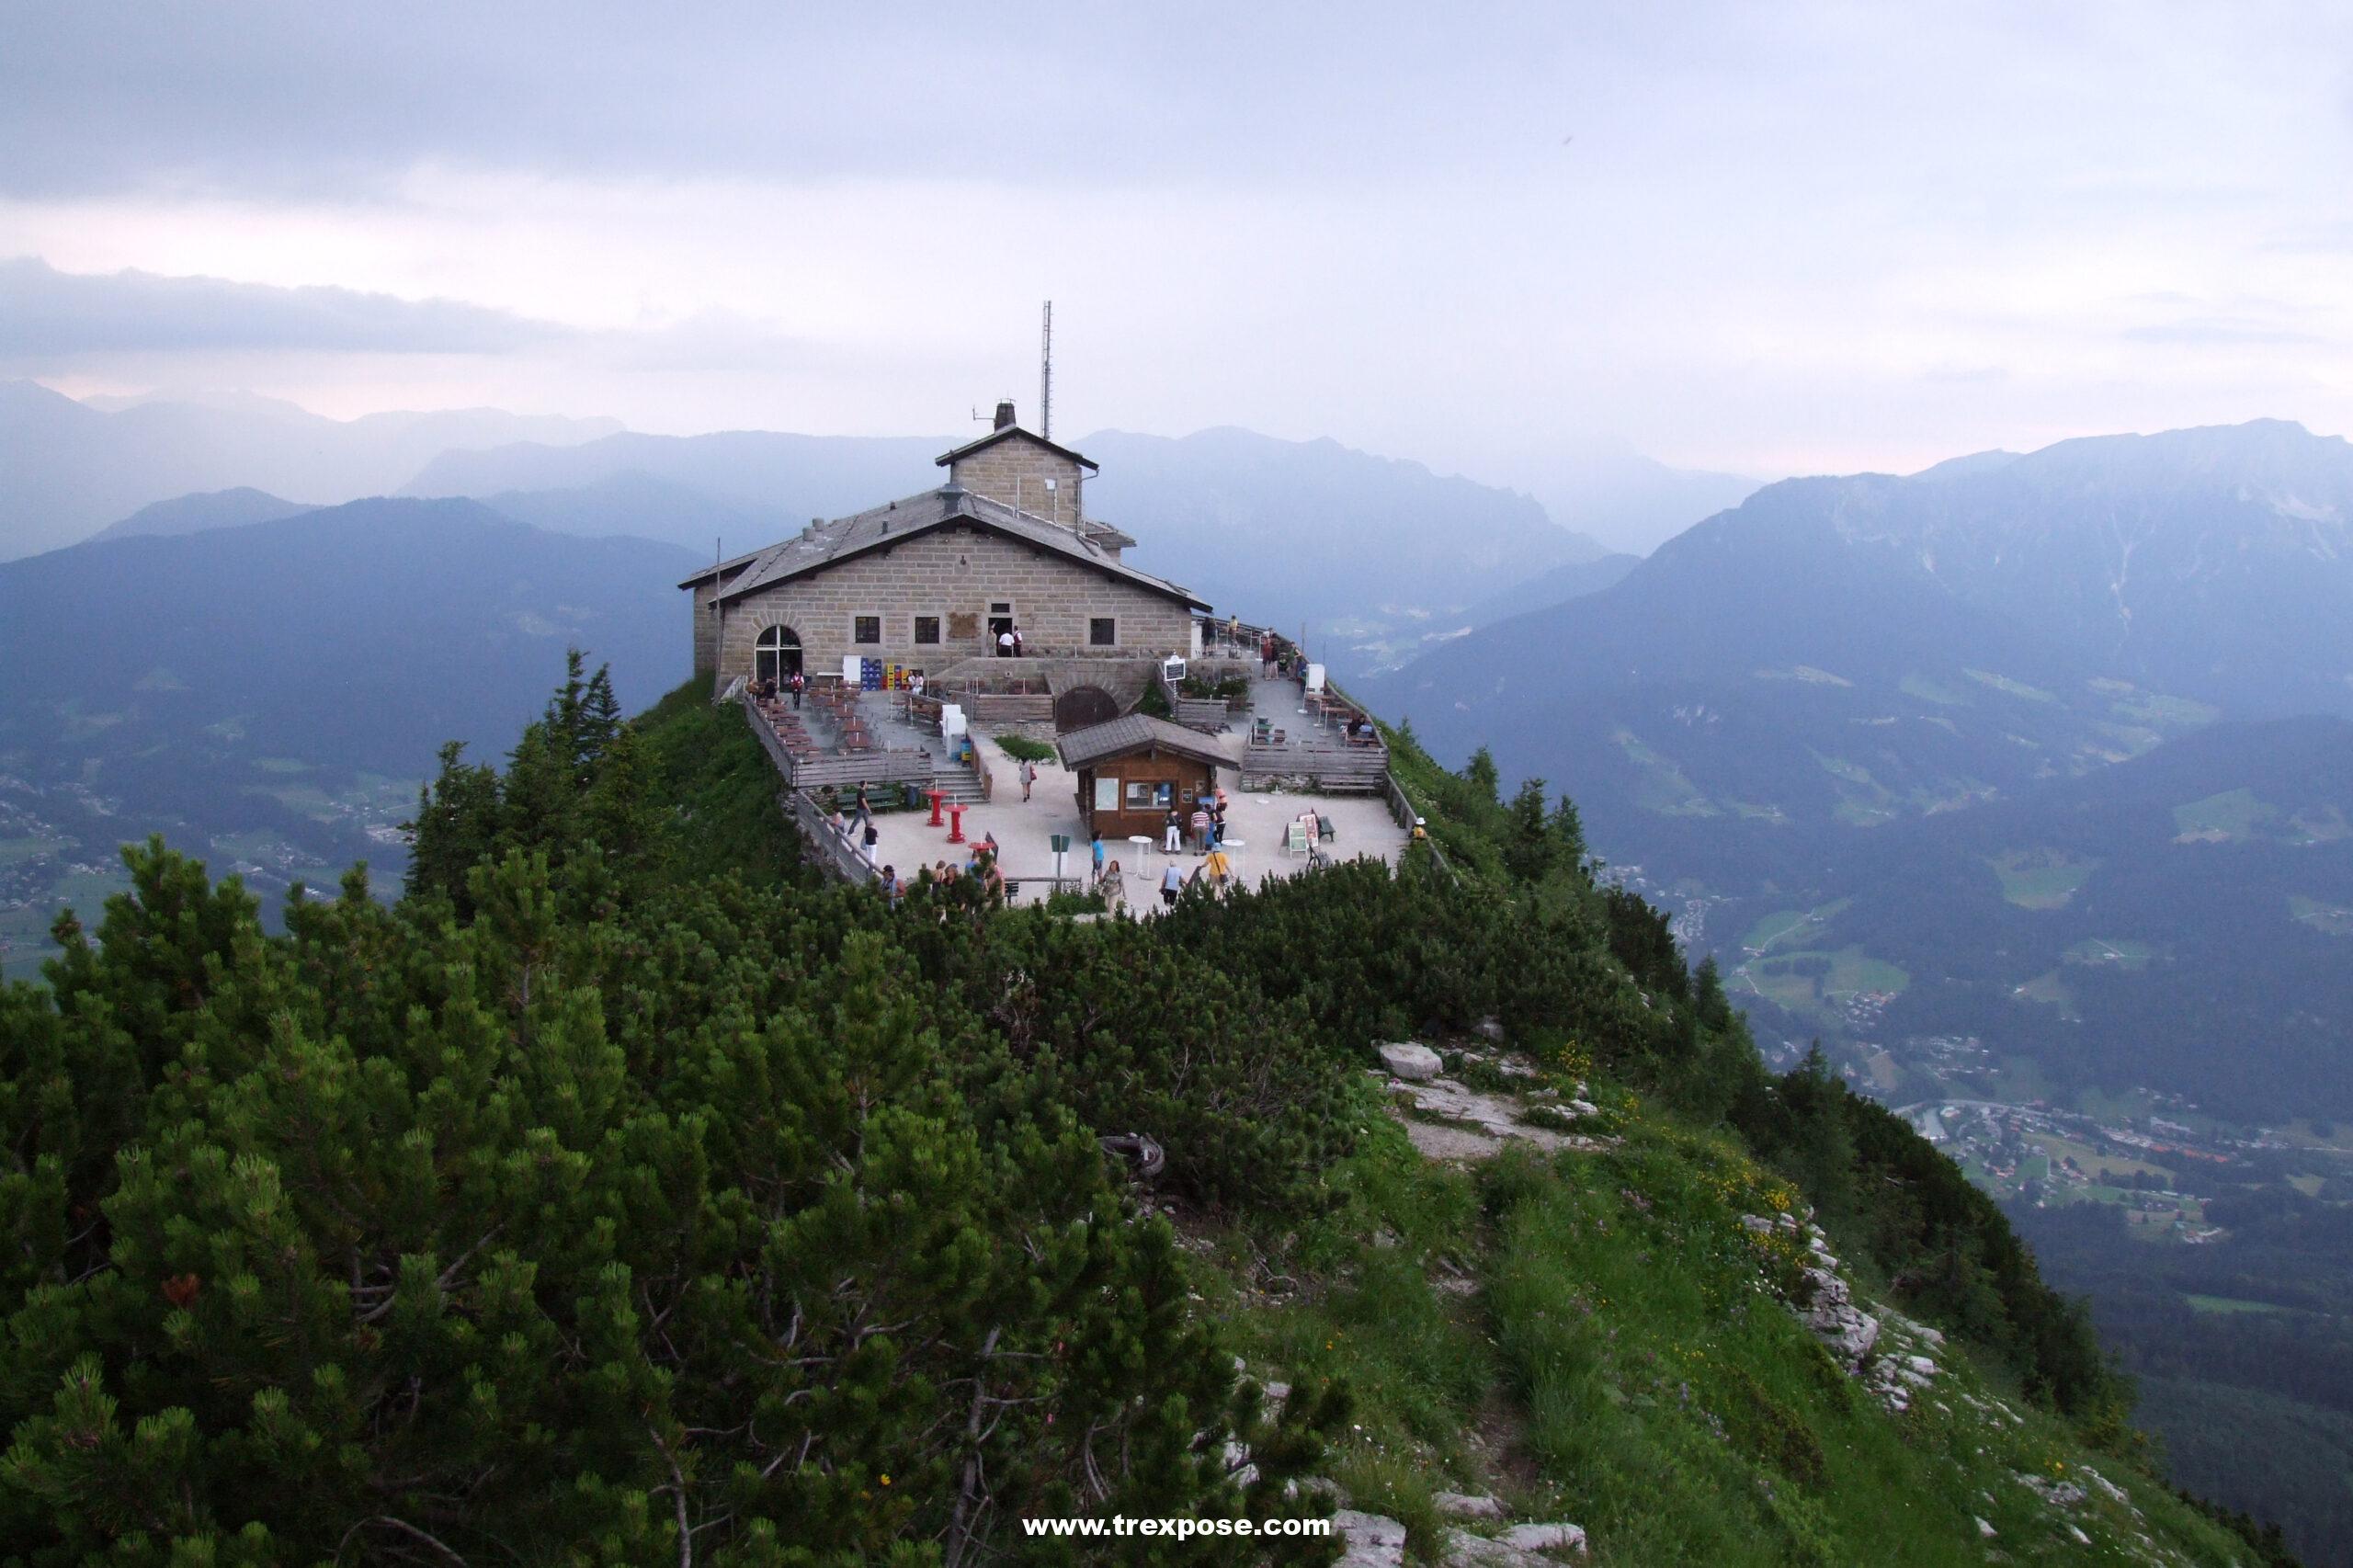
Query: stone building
{"x": 930, "y": 581}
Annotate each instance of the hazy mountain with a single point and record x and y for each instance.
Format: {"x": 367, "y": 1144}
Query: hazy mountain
{"x": 2183, "y": 920}
{"x": 1557, "y": 586}
{"x": 208, "y": 509}
{"x": 1629, "y": 502}
{"x": 1853, "y": 651}
{"x": 68, "y": 469}
{"x": 637, "y": 505}
{"x": 763, "y": 471}
{"x": 1366, "y": 551}
{"x": 1363, "y": 550}
{"x": 269, "y": 694}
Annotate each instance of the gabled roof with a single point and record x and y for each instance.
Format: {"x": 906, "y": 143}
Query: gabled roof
{"x": 1007, "y": 433}
{"x": 721, "y": 568}
{"x": 878, "y": 527}
{"x": 1137, "y": 731}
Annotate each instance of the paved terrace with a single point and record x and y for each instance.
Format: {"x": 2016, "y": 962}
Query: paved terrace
{"x": 1257, "y": 820}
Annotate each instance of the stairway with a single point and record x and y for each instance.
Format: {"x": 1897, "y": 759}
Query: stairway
{"x": 960, "y": 784}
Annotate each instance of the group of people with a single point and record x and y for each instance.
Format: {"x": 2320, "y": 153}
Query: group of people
{"x": 1009, "y": 642}
{"x": 1205, "y": 827}
{"x": 980, "y": 866}
{"x": 768, "y": 686}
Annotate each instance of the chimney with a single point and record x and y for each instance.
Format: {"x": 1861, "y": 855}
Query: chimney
{"x": 1003, "y": 414}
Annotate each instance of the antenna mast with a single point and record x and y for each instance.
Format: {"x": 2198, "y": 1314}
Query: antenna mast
{"x": 1046, "y": 375}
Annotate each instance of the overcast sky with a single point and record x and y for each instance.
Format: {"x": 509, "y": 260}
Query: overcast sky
{"x": 1766, "y": 238}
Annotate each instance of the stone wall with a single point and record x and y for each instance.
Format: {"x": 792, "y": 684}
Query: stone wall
{"x": 953, "y": 573}
{"x": 1015, "y": 472}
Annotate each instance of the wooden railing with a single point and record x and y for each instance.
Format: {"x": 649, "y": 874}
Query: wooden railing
{"x": 840, "y": 855}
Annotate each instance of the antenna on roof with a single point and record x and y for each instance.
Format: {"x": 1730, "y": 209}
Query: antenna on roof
{"x": 1046, "y": 375}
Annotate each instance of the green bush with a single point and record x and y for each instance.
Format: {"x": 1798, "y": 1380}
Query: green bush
{"x": 1021, "y": 748}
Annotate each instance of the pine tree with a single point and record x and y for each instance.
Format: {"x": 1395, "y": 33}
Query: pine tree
{"x": 1530, "y": 848}
{"x": 1480, "y": 773}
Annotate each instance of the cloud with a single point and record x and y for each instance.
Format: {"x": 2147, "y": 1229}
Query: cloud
{"x": 2208, "y": 331}
{"x": 61, "y": 315}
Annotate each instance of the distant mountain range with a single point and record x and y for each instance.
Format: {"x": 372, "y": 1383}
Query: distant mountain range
{"x": 206, "y": 509}
{"x": 267, "y": 695}
{"x": 68, "y": 469}
{"x": 1850, "y": 652}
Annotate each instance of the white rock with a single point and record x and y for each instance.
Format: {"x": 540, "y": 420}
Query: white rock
{"x": 1984, "y": 1530}
{"x": 1461, "y": 1505}
{"x": 1545, "y": 1538}
{"x": 1756, "y": 1225}
{"x": 1584, "y": 1107}
{"x": 1490, "y": 1028}
{"x": 1316, "y": 1486}
{"x": 1466, "y": 1551}
{"x": 2081, "y": 1538}
{"x": 1369, "y": 1540}
{"x": 1417, "y": 1064}
{"x": 1921, "y": 1365}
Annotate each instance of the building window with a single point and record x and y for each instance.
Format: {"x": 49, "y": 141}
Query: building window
{"x": 927, "y": 631}
{"x": 866, "y": 629}
{"x": 1102, "y": 631}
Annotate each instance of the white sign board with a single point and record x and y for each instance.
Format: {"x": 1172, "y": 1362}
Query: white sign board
{"x": 1314, "y": 678}
{"x": 952, "y": 720}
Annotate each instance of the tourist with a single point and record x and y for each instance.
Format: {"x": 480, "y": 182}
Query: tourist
{"x": 871, "y": 835}
{"x": 1171, "y": 831}
{"x": 1098, "y": 856}
{"x": 1220, "y": 870}
{"x": 1005, "y": 643}
{"x": 1172, "y": 883}
{"x": 915, "y": 683}
{"x": 1028, "y": 777}
{"x": 839, "y": 824}
{"x": 864, "y": 813}
{"x": 800, "y": 684}
{"x": 1200, "y": 829}
{"x": 1266, "y": 653}
{"x": 890, "y": 885}
{"x": 1017, "y": 642}
{"x": 1112, "y": 886}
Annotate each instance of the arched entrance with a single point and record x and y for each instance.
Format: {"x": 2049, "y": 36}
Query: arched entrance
{"x": 1085, "y": 704}
{"x": 776, "y": 655}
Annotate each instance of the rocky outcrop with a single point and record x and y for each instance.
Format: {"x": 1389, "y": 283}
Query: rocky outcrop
{"x": 1369, "y": 1540}
{"x": 1414, "y": 1064}
{"x": 1461, "y": 1505}
{"x": 1847, "y": 1331}
{"x": 1522, "y": 1545}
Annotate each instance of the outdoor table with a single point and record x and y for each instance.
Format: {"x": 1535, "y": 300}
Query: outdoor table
{"x": 934, "y": 797}
{"x": 956, "y": 822}
{"x": 1144, "y": 843}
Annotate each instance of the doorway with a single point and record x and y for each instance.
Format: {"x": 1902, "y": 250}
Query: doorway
{"x": 776, "y": 655}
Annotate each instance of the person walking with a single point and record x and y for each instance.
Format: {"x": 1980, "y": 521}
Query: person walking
{"x": 1029, "y": 776}
{"x": 800, "y": 684}
{"x": 1097, "y": 848}
{"x": 1172, "y": 883}
{"x": 863, "y": 814}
